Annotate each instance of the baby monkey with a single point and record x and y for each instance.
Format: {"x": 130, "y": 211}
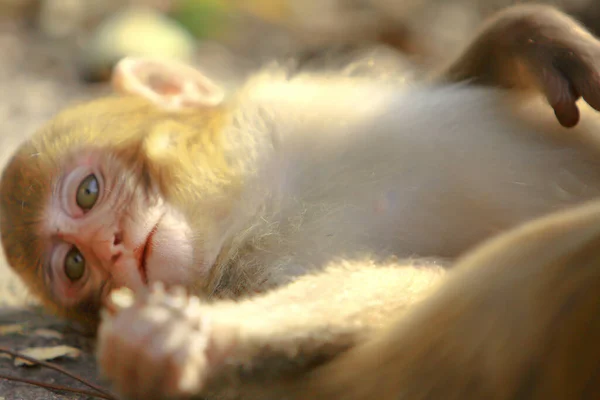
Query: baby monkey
{"x": 286, "y": 213}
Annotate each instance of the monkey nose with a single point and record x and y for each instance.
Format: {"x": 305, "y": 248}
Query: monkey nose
{"x": 107, "y": 246}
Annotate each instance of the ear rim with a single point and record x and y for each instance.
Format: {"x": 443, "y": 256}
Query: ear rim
{"x": 126, "y": 80}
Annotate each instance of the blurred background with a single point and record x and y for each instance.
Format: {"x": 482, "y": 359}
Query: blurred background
{"x": 56, "y": 52}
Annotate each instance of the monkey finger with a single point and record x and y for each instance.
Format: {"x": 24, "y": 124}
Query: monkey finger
{"x": 561, "y": 95}
{"x": 151, "y": 364}
{"x": 195, "y": 364}
{"x": 118, "y": 300}
{"x": 187, "y": 369}
{"x": 567, "y": 114}
{"x": 111, "y": 365}
{"x": 135, "y": 377}
{"x": 586, "y": 82}
{"x": 115, "y": 349}
{"x": 106, "y": 347}
{"x": 141, "y": 373}
{"x": 165, "y": 358}
{"x": 121, "y": 339}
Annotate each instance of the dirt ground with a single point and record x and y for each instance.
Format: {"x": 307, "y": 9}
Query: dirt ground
{"x": 37, "y": 79}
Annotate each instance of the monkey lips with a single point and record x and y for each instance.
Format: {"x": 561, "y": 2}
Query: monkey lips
{"x": 143, "y": 252}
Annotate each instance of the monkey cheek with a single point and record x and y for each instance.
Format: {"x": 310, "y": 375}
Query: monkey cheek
{"x": 170, "y": 265}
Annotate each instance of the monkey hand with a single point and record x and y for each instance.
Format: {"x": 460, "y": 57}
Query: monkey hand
{"x": 159, "y": 345}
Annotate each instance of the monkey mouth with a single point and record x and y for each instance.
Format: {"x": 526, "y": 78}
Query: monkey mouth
{"x": 146, "y": 250}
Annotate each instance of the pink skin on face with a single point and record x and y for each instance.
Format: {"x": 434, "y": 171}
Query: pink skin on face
{"x": 126, "y": 238}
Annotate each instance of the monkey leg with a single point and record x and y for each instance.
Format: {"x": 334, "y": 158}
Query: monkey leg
{"x": 534, "y": 46}
{"x": 518, "y": 318}
{"x": 169, "y": 345}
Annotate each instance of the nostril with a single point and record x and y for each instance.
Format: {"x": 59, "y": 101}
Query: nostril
{"x": 117, "y": 239}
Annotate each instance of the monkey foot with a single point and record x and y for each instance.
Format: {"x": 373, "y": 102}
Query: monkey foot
{"x": 536, "y": 46}
{"x": 570, "y": 77}
{"x": 161, "y": 346}
{"x": 562, "y": 56}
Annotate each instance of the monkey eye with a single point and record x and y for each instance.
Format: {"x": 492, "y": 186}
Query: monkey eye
{"x": 87, "y": 193}
{"x": 74, "y": 264}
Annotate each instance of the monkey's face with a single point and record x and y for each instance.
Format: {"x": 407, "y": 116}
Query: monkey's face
{"x": 87, "y": 206}
{"x": 105, "y": 226}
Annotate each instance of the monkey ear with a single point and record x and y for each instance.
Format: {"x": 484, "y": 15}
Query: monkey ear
{"x": 171, "y": 85}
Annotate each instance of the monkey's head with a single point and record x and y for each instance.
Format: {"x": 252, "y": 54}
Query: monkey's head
{"x": 107, "y": 194}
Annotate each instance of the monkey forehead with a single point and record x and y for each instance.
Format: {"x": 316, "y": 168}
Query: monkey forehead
{"x": 120, "y": 123}
{"x": 103, "y": 122}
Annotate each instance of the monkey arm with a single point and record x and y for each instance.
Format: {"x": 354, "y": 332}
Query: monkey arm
{"x": 319, "y": 315}
{"x": 518, "y": 317}
{"x": 249, "y": 346}
{"x": 533, "y": 46}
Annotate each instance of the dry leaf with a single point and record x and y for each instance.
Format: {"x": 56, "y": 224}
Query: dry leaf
{"x": 12, "y": 329}
{"x": 48, "y": 334}
{"x": 47, "y": 353}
